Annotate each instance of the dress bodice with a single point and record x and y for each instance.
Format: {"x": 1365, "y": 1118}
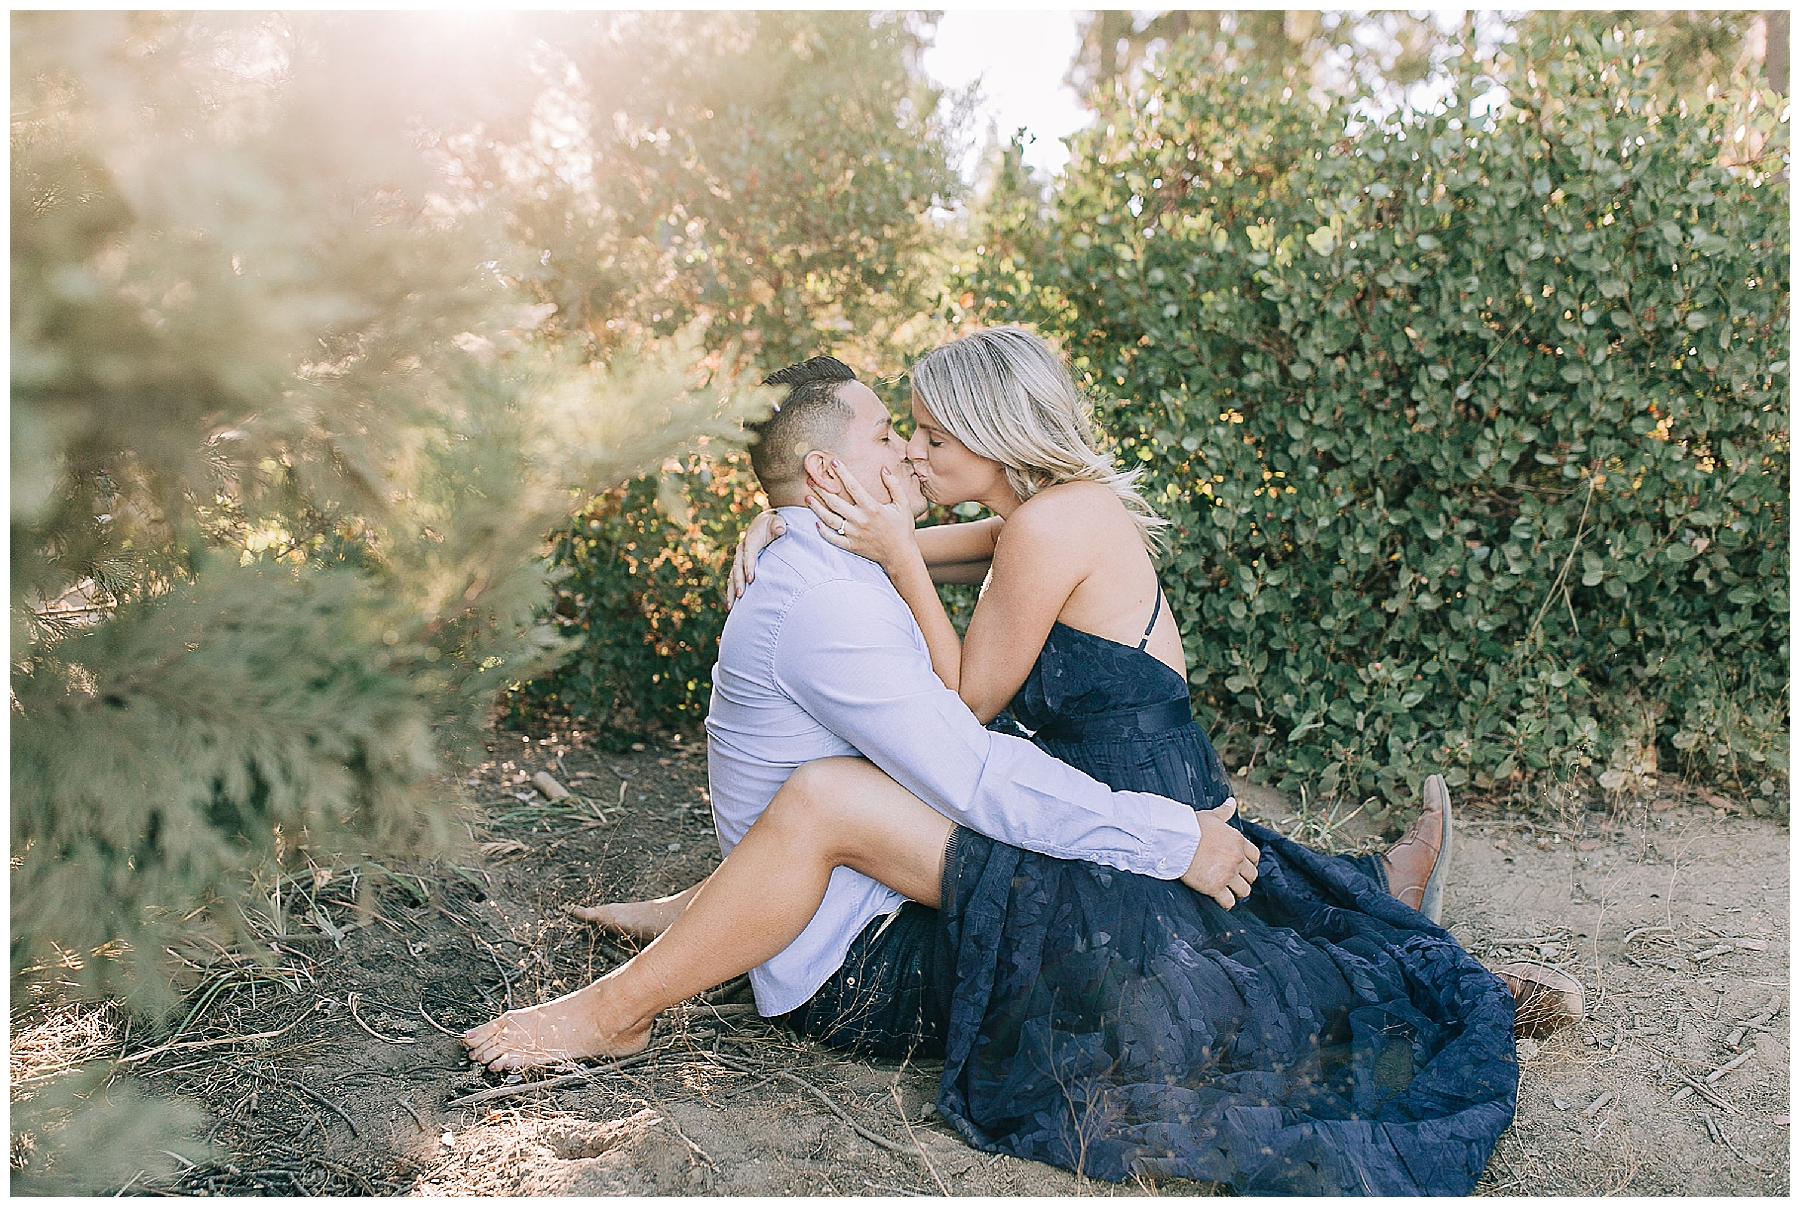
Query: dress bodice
{"x": 1120, "y": 714}
{"x": 1079, "y": 676}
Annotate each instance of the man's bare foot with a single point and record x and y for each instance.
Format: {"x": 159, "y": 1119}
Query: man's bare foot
{"x": 641, "y": 921}
{"x": 1411, "y": 861}
{"x": 573, "y": 1027}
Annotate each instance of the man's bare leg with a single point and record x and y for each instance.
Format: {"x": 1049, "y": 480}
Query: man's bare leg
{"x": 641, "y": 921}
{"x": 831, "y": 813}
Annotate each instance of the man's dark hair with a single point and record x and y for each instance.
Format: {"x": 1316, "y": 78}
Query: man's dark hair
{"x": 812, "y": 416}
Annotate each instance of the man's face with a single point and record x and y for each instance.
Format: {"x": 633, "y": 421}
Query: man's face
{"x": 868, "y": 446}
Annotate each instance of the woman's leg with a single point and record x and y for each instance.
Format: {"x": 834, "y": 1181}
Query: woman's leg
{"x": 831, "y": 813}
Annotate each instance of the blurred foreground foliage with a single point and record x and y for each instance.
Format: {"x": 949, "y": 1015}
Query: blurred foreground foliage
{"x": 1475, "y": 429}
{"x": 293, "y": 408}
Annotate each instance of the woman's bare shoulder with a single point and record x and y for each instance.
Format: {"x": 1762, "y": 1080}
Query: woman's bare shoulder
{"x": 1069, "y": 508}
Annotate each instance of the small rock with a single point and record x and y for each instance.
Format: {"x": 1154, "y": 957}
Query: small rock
{"x": 1781, "y": 1121}
{"x": 1661, "y": 806}
{"x": 637, "y": 745}
{"x": 1589, "y": 844}
{"x": 1559, "y": 1104}
{"x": 1528, "y": 1049}
{"x": 448, "y": 1139}
{"x": 674, "y": 846}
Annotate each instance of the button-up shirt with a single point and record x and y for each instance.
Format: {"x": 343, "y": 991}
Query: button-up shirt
{"x": 822, "y": 658}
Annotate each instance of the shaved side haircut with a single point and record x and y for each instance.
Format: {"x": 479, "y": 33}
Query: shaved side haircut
{"x": 812, "y": 416}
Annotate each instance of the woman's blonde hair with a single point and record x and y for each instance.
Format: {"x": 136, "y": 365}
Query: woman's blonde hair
{"x": 1007, "y": 395}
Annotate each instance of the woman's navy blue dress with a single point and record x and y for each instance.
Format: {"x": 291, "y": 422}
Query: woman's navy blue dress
{"x": 1321, "y": 1038}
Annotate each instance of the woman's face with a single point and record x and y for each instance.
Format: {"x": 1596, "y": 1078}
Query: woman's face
{"x": 948, "y": 472}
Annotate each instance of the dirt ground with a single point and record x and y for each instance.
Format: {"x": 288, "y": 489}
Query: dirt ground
{"x": 337, "y": 1072}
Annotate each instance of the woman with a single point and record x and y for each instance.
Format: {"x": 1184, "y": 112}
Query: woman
{"x": 1322, "y": 1037}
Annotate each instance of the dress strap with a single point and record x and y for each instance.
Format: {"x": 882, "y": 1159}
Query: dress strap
{"x": 1154, "y": 613}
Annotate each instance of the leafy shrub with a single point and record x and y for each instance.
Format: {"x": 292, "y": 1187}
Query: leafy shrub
{"x": 642, "y": 569}
{"x": 1475, "y": 432}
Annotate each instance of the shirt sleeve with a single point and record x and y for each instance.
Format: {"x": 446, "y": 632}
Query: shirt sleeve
{"x": 849, "y": 654}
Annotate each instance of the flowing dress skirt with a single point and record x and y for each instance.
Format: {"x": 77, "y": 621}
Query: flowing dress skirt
{"x": 1320, "y": 1038}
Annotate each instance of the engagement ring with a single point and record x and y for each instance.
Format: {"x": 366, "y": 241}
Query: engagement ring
{"x": 842, "y": 525}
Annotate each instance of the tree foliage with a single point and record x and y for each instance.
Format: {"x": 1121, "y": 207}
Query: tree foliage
{"x": 777, "y": 173}
{"x": 1475, "y": 431}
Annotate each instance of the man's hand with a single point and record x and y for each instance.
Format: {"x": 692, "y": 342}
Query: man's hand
{"x": 1224, "y": 864}
{"x": 762, "y": 532}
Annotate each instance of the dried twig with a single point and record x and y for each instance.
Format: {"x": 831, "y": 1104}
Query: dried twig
{"x": 1648, "y": 930}
{"x": 822, "y": 1096}
{"x": 434, "y": 1023}
{"x": 408, "y": 1108}
{"x": 511, "y": 1091}
{"x": 340, "y": 1111}
{"x": 1726, "y": 1068}
{"x": 367, "y": 1186}
{"x": 1593, "y": 1107}
{"x": 1719, "y": 1135}
{"x": 357, "y": 1019}
{"x": 900, "y": 1110}
{"x": 1705, "y": 1091}
{"x": 213, "y": 1043}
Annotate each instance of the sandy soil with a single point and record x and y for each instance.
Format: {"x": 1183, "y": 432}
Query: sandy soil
{"x": 1672, "y": 912}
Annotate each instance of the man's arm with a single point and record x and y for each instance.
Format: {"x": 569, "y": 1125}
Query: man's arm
{"x": 848, "y": 653}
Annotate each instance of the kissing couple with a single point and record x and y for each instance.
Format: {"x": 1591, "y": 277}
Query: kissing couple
{"x": 1017, "y": 850}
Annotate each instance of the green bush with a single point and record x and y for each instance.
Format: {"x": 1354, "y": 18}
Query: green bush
{"x": 1475, "y": 431}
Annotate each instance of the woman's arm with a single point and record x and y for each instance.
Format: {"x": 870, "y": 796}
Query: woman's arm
{"x": 959, "y": 553}
{"x": 1039, "y": 561}
{"x": 954, "y": 553}
{"x": 880, "y": 528}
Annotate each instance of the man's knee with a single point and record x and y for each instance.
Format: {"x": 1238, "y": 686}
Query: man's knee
{"x": 817, "y": 796}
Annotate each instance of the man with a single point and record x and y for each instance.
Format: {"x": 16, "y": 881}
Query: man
{"x": 822, "y": 659}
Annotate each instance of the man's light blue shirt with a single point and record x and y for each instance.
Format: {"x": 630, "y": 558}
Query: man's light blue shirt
{"x": 822, "y": 658}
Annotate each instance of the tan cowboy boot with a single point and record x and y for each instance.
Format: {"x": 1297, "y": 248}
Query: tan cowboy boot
{"x": 1425, "y": 894}
{"x": 1545, "y": 998}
